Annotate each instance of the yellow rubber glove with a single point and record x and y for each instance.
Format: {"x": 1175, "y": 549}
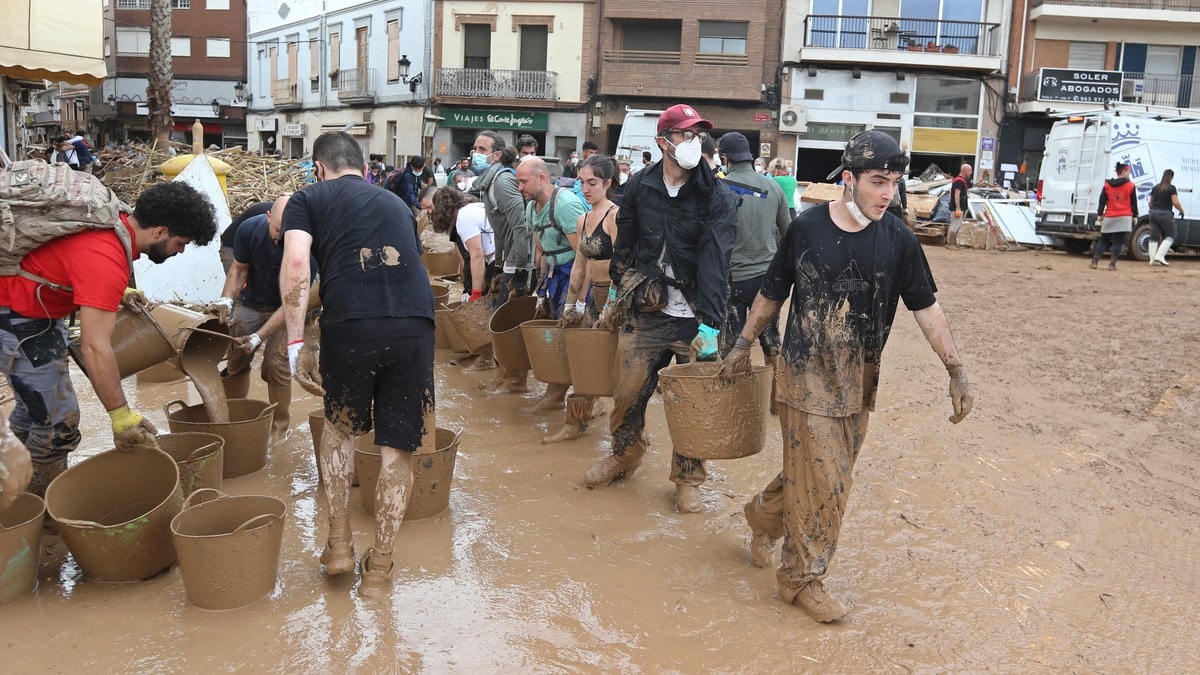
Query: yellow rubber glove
{"x": 131, "y": 430}
{"x": 135, "y": 299}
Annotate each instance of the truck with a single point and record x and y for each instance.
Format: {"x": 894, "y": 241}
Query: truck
{"x": 1081, "y": 153}
{"x": 637, "y": 135}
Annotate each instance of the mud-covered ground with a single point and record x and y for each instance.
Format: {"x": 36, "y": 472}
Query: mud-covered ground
{"x": 1054, "y": 530}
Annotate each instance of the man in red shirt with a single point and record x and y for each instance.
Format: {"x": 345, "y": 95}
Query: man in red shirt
{"x": 93, "y": 268}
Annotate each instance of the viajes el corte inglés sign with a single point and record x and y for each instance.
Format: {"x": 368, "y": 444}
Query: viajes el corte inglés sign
{"x": 495, "y": 119}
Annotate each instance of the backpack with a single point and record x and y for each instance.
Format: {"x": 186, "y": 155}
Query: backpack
{"x": 40, "y": 202}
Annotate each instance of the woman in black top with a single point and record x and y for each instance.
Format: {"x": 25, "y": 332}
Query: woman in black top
{"x": 1162, "y": 222}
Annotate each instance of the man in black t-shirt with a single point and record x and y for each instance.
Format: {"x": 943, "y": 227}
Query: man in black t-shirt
{"x": 847, "y": 265}
{"x": 228, "y": 235}
{"x": 376, "y": 360}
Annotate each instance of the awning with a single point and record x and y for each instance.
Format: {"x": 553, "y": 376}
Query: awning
{"x": 355, "y": 130}
{"x": 61, "y": 41}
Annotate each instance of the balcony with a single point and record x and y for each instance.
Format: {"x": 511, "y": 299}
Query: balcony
{"x": 356, "y": 86}
{"x": 1174, "y": 11}
{"x": 967, "y": 45}
{"x": 477, "y": 83}
{"x": 285, "y": 94}
{"x": 640, "y": 56}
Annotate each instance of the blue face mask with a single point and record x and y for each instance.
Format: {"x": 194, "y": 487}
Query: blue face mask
{"x": 479, "y": 162}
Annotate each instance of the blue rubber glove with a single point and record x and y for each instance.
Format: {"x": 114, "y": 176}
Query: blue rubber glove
{"x": 705, "y": 343}
{"x": 612, "y": 293}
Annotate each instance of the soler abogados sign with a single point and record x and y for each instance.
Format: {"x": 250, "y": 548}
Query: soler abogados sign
{"x": 1079, "y": 86}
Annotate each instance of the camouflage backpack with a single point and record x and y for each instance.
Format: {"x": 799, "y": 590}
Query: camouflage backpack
{"x": 40, "y": 202}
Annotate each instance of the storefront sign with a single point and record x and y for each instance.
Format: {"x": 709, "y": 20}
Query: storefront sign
{"x": 945, "y": 122}
{"x": 292, "y": 129}
{"x": 495, "y": 119}
{"x": 1079, "y": 86}
{"x": 182, "y": 110}
{"x": 265, "y": 124}
{"x": 829, "y": 131}
{"x": 762, "y": 117}
{"x": 948, "y": 141}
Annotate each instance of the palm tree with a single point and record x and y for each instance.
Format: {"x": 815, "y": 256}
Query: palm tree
{"x": 160, "y": 80}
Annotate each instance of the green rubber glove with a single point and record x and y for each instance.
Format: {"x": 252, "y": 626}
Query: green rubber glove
{"x": 705, "y": 343}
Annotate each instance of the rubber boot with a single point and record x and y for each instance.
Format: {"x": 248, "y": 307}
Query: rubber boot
{"x": 1116, "y": 253}
{"x": 609, "y": 469}
{"x": 553, "y": 399}
{"x": 1163, "y": 250}
{"x": 687, "y": 499}
{"x": 43, "y": 473}
{"x": 773, "y": 362}
{"x": 513, "y": 382}
{"x": 501, "y": 374}
{"x": 1152, "y": 249}
{"x": 579, "y": 413}
{"x": 280, "y": 394}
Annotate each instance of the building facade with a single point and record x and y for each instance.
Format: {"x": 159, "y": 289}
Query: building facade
{"x": 321, "y": 65}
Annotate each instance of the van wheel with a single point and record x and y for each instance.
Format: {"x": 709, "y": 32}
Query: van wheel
{"x": 1076, "y": 246}
{"x": 1139, "y": 243}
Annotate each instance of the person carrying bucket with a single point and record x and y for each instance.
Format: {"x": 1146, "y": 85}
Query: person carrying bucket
{"x": 257, "y": 318}
{"x": 90, "y": 271}
{"x": 846, "y": 264}
{"x": 675, "y": 232}
{"x": 376, "y": 360}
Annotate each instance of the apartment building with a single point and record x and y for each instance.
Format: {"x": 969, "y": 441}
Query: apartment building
{"x": 208, "y": 60}
{"x": 518, "y": 68}
{"x": 929, "y": 72}
{"x": 1075, "y": 55}
{"x": 321, "y": 65}
{"x": 721, "y": 57}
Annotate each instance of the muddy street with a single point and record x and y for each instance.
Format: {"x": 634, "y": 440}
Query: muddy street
{"x": 1054, "y": 530}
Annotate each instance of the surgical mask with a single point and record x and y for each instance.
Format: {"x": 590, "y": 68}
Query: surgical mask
{"x": 855, "y": 212}
{"x": 479, "y": 161}
{"x": 624, "y": 177}
{"x": 687, "y": 153}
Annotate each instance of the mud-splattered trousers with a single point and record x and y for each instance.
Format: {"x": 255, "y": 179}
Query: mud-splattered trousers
{"x": 33, "y": 356}
{"x": 741, "y": 298}
{"x": 646, "y": 345}
{"x": 805, "y": 504}
{"x": 275, "y": 370}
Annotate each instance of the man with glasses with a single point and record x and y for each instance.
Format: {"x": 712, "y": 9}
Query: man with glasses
{"x": 675, "y": 232}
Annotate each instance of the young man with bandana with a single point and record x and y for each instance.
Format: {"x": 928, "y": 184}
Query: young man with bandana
{"x": 846, "y": 264}
{"x": 675, "y": 231}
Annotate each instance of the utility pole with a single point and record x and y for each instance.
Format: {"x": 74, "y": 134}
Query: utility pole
{"x": 160, "y": 79}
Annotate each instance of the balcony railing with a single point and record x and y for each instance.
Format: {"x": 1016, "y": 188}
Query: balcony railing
{"x": 1126, "y": 4}
{"x": 285, "y": 92}
{"x": 888, "y": 33}
{"x": 537, "y": 85}
{"x": 640, "y": 56}
{"x": 356, "y": 85}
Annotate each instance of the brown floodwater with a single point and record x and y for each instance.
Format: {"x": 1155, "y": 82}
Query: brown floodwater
{"x": 1018, "y": 540}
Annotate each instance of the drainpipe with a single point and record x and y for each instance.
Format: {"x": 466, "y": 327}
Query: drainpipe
{"x": 1021, "y": 54}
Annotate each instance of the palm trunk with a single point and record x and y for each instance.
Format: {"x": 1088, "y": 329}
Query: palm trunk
{"x": 160, "y": 80}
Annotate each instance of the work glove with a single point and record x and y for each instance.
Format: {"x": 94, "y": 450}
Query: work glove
{"x": 704, "y": 345}
{"x": 16, "y": 468}
{"x": 542, "y": 310}
{"x": 737, "y": 361}
{"x": 131, "y": 430}
{"x": 572, "y": 315}
{"x": 960, "y": 393}
{"x": 958, "y": 214}
{"x": 135, "y": 299}
{"x": 308, "y": 373}
{"x": 222, "y": 309}
{"x": 245, "y": 346}
{"x": 293, "y": 350}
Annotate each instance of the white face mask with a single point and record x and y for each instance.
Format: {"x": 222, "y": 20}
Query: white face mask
{"x": 624, "y": 177}
{"x": 687, "y": 153}
{"x": 855, "y": 212}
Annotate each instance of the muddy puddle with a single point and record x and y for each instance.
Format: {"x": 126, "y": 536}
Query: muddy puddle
{"x": 1054, "y": 530}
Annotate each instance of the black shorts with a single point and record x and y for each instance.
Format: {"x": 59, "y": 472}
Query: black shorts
{"x": 379, "y": 373}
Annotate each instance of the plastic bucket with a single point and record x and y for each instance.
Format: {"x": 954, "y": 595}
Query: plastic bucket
{"x": 592, "y": 353}
{"x": 471, "y": 321}
{"x": 508, "y": 343}
{"x": 247, "y": 434}
{"x": 114, "y": 512}
{"x": 710, "y": 418}
{"x": 433, "y": 475}
{"x": 316, "y": 427}
{"x": 200, "y": 458}
{"x": 441, "y": 263}
{"x": 137, "y": 341}
{"x": 228, "y": 548}
{"x": 176, "y": 322}
{"x": 20, "y": 546}
{"x": 445, "y": 325}
{"x": 547, "y": 351}
{"x": 441, "y": 293}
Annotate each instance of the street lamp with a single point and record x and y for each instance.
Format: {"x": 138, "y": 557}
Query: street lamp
{"x": 216, "y": 106}
{"x": 239, "y": 89}
{"x": 404, "y": 63}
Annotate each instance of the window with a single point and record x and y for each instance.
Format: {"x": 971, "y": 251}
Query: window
{"x": 722, "y": 43}
{"x": 533, "y": 48}
{"x": 181, "y": 46}
{"x": 393, "y": 51}
{"x": 361, "y": 49}
{"x": 107, "y": 46}
{"x": 1086, "y": 55}
{"x": 839, "y": 23}
{"x": 335, "y": 58}
{"x": 133, "y": 41}
{"x": 273, "y": 56}
{"x": 217, "y": 47}
{"x": 314, "y": 64}
{"x": 293, "y": 51}
{"x": 947, "y": 95}
{"x": 477, "y": 47}
{"x": 216, "y": 4}
{"x": 646, "y": 42}
{"x": 944, "y": 22}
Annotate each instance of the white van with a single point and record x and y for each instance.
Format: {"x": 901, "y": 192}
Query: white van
{"x": 637, "y": 135}
{"x": 1082, "y": 152}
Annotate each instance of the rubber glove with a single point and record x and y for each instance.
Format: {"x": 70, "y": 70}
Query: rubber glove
{"x": 958, "y": 214}
{"x": 16, "y": 468}
{"x": 737, "y": 361}
{"x": 131, "y": 430}
{"x": 705, "y": 343}
{"x": 293, "y": 350}
{"x": 221, "y": 308}
{"x": 572, "y": 315}
{"x": 961, "y": 397}
{"x": 135, "y": 299}
{"x": 476, "y": 293}
{"x": 612, "y": 293}
{"x": 308, "y": 373}
{"x": 245, "y": 346}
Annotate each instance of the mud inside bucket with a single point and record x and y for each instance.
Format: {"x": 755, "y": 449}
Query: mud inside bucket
{"x": 247, "y": 434}
{"x": 200, "y": 458}
{"x": 20, "y": 546}
{"x": 114, "y": 512}
{"x": 433, "y": 475}
{"x": 591, "y": 353}
{"x": 228, "y": 548}
{"x": 316, "y": 427}
{"x": 508, "y": 343}
{"x": 547, "y": 351}
{"x": 710, "y": 418}
{"x": 471, "y": 321}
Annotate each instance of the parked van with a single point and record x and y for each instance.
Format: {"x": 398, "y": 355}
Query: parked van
{"x": 1081, "y": 153}
{"x": 637, "y": 135}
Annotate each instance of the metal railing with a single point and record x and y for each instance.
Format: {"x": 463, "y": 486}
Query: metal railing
{"x": 640, "y": 56}
{"x": 890, "y": 33}
{"x": 537, "y": 85}
{"x": 356, "y": 83}
{"x": 1185, "y": 5}
{"x": 285, "y": 91}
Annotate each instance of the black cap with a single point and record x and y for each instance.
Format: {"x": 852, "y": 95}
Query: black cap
{"x": 872, "y": 149}
{"x": 735, "y": 147}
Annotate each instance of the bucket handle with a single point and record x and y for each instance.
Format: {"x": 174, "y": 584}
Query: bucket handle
{"x": 83, "y": 524}
{"x": 200, "y": 449}
{"x": 260, "y": 517}
{"x": 167, "y": 407}
{"x": 267, "y": 410}
{"x": 196, "y": 329}
{"x": 187, "y": 503}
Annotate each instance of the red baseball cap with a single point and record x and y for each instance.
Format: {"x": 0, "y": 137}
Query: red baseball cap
{"x": 681, "y": 116}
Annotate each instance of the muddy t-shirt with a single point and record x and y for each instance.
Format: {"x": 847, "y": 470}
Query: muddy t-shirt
{"x": 845, "y": 287}
{"x": 253, "y": 246}
{"x": 365, "y": 243}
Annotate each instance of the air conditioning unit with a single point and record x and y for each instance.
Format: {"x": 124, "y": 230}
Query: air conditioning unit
{"x": 793, "y": 119}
